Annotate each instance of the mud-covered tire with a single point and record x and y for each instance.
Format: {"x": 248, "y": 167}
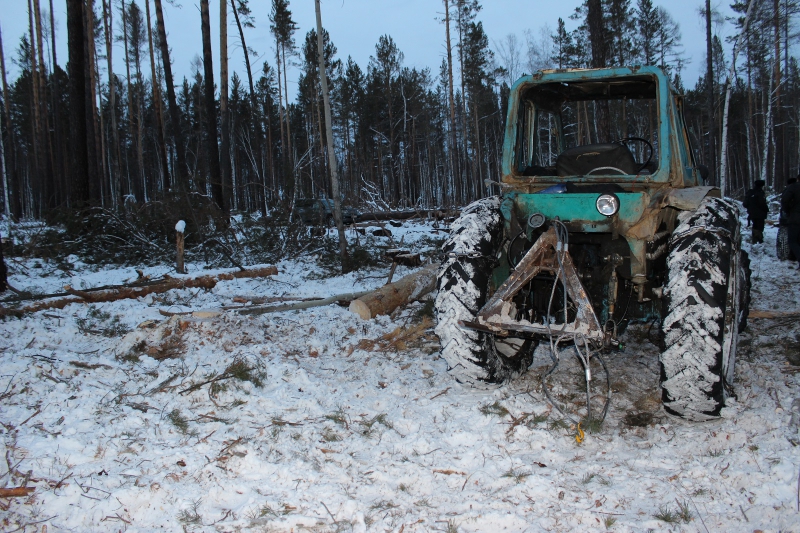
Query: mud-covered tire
{"x": 782, "y": 248}
{"x": 463, "y": 284}
{"x": 704, "y": 310}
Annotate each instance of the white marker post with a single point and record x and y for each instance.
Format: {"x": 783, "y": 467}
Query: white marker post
{"x": 180, "y": 227}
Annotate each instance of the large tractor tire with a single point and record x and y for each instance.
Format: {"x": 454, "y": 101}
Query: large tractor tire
{"x": 475, "y": 358}
{"x": 706, "y": 298}
{"x": 782, "y": 245}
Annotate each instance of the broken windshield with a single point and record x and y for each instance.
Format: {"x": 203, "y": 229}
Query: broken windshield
{"x": 597, "y": 127}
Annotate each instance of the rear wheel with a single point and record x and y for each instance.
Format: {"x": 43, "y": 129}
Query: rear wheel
{"x": 706, "y": 300}
{"x": 474, "y": 357}
{"x": 782, "y": 244}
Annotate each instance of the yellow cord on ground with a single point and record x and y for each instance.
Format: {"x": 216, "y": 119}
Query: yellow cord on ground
{"x": 580, "y": 435}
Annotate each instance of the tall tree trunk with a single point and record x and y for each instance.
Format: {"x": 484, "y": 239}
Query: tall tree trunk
{"x": 129, "y": 93}
{"x": 79, "y": 159}
{"x": 768, "y": 127}
{"x": 16, "y": 200}
{"x": 712, "y": 144}
{"x": 453, "y": 152}
{"x": 58, "y": 174}
{"x": 47, "y": 164}
{"x": 779, "y": 179}
{"x": 464, "y": 186}
{"x": 284, "y": 149}
{"x": 182, "y": 169}
{"x": 162, "y": 143}
{"x": 723, "y": 165}
{"x": 114, "y": 183}
{"x": 37, "y": 164}
{"x": 288, "y": 119}
{"x": 225, "y": 124}
{"x": 6, "y": 195}
{"x": 259, "y": 166}
{"x": 212, "y": 149}
{"x": 96, "y": 171}
{"x": 337, "y": 199}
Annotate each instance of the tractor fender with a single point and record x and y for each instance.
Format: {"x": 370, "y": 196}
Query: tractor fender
{"x": 689, "y": 199}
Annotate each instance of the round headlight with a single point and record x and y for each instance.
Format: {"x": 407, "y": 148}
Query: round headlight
{"x": 607, "y": 204}
{"x": 536, "y": 220}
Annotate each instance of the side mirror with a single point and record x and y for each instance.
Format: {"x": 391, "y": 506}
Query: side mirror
{"x": 703, "y": 171}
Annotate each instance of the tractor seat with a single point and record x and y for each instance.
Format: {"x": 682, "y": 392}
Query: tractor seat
{"x": 581, "y": 160}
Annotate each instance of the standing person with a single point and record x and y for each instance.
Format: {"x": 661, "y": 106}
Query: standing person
{"x": 790, "y": 205}
{"x": 757, "y": 209}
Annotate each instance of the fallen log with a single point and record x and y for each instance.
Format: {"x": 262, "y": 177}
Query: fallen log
{"x": 407, "y": 214}
{"x": 16, "y": 492}
{"x": 347, "y": 297}
{"x": 386, "y": 299}
{"x": 759, "y": 313}
{"x": 132, "y": 292}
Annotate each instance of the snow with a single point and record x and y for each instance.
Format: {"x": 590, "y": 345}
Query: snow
{"x": 180, "y": 227}
{"x": 358, "y": 427}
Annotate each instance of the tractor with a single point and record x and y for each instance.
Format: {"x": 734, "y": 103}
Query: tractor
{"x": 603, "y": 218}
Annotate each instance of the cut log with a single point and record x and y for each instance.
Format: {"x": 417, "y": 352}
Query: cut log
{"x": 347, "y": 297}
{"x": 759, "y": 313}
{"x": 122, "y": 293}
{"x": 386, "y": 299}
{"x": 16, "y": 492}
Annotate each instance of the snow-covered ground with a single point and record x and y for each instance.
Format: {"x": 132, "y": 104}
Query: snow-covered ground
{"x": 356, "y": 425}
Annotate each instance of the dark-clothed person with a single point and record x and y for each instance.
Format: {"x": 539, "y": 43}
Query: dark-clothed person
{"x": 757, "y": 209}
{"x": 790, "y": 208}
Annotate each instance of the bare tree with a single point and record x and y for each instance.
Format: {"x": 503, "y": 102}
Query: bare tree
{"x": 712, "y": 150}
{"x": 453, "y": 151}
{"x": 540, "y": 49}
{"x": 337, "y": 197}
{"x": 112, "y": 104}
{"x": 509, "y": 51}
{"x": 241, "y": 14}
{"x": 174, "y": 113}
{"x": 723, "y": 165}
{"x": 162, "y": 143}
{"x": 212, "y": 149}
{"x": 16, "y": 200}
{"x": 224, "y": 116}
{"x": 79, "y": 160}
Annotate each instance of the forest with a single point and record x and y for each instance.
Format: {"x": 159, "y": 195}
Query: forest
{"x": 79, "y": 134}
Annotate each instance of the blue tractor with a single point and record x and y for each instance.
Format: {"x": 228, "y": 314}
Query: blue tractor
{"x": 603, "y": 217}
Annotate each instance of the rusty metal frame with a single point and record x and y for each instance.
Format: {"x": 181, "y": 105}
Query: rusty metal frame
{"x": 547, "y": 254}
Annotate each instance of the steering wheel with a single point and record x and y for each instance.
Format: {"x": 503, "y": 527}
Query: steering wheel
{"x": 615, "y": 169}
{"x": 638, "y": 139}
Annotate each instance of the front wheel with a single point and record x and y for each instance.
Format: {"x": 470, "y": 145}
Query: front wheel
{"x": 464, "y": 280}
{"x": 706, "y": 296}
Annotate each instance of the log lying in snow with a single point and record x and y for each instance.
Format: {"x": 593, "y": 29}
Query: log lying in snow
{"x": 350, "y": 296}
{"x": 16, "y": 492}
{"x": 121, "y": 293}
{"x": 758, "y": 313}
{"x": 386, "y": 299}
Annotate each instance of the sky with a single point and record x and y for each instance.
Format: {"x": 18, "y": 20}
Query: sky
{"x": 354, "y": 26}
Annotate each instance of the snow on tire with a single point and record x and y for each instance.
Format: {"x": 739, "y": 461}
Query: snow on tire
{"x": 705, "y": 280}
{"x": 782, "y": 244}
{"x": 474, "y": 357}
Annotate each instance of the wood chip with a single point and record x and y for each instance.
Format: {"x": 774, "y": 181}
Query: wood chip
{"x": 448, "y": 472}
{"x": 16, "y": 492}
